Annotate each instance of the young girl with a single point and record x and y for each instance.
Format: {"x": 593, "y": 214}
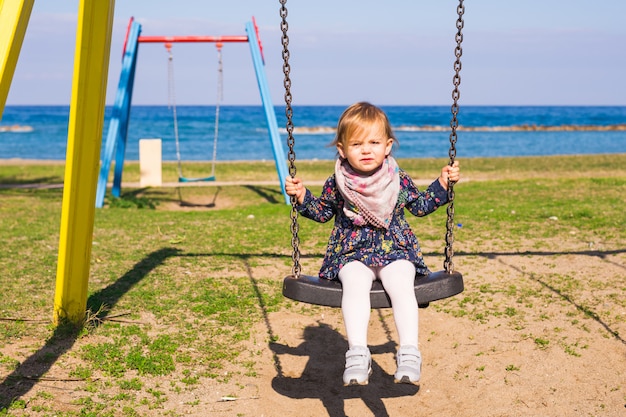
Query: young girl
{"x": 371, "y": 238}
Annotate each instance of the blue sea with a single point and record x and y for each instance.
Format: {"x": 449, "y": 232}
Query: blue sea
{"x": 40, "y": 132}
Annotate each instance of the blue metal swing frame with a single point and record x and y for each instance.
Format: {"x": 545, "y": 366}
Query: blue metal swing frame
{"x": 115, "y": 141}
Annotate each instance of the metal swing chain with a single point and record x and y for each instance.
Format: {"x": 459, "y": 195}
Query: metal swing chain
{"x": 458, "y": 51}
{"x": 171, "y": 103}
{"x": 291, "y": 154}
{"x": 218, "y": 101}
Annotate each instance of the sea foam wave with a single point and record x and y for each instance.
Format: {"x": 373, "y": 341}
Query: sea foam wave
{"x": 16, "y": 129}
{"x": 327, "y": 130}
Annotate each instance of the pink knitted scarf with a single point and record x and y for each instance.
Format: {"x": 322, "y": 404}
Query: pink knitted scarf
{"x": 369, "y": 199}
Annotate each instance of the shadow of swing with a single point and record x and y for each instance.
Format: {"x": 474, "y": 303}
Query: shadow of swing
{"x": 322, "y": 375}
{"x": 186, "y": 203}
{"x": 270, "y": 195}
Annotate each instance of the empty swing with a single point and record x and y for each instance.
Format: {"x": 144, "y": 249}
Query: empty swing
{"x": 172, "y": 104}
{"x": 432, "y": 287}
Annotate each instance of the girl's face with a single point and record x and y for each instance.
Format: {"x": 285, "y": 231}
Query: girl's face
{"x": 366, "y": 149}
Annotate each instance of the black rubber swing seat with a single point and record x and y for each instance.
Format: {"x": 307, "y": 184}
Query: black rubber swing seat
{"x": 314, "y": 290}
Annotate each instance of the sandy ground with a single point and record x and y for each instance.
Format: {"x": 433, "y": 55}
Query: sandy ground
{"x": 516, "y": 342}
{"x": 538, "y": 354}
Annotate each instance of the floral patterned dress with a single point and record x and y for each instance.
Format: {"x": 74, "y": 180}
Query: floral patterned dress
{"x": 370, "y": 245}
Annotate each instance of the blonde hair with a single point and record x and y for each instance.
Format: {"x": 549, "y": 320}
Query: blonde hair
{"x": 358, "y": 116}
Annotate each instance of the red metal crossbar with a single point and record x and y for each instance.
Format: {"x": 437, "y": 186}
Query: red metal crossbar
{"x": 170, "y": 39}
{"x": 215, "y": 39}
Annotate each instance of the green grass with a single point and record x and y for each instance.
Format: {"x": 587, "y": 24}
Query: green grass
{"x": 174, "y": 293}
{"x": 475, "y": 168}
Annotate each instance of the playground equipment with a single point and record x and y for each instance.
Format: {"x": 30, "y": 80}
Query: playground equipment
{"x": 171, "y": 102}
{"x": 91, "y": 63}
{"x": 14, "y": 17}
{"x": 427, "y": 288}
{"x": 118, "y": 126}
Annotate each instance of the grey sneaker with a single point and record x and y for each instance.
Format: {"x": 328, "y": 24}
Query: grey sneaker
{"x": 409, "y": 361}
{"x": 358, "y": 366}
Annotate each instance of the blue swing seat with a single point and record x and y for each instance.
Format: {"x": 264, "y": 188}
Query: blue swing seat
{"x": 185, "y": 179}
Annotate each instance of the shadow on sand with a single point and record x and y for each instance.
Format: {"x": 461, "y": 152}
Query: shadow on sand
{"x": 322, "y": 375}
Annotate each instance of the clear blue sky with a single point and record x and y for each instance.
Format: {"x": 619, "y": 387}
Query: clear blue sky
{"x": 531, "y": 52}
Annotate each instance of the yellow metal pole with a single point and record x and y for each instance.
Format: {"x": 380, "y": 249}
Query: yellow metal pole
{"x": 91, "y": 63}
{"x": 14, "y": 15}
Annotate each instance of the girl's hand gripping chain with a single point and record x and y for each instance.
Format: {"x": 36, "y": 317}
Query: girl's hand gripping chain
{"x": 294, "y": 187}
{"x": 450, "y": 173}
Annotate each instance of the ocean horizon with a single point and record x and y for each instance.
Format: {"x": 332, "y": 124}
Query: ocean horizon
{"x": 40, "y": 132}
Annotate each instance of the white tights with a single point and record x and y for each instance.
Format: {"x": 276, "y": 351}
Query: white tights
{"x": 397, "y": 279}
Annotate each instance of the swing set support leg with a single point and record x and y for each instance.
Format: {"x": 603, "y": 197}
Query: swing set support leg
{"x": 91, "y": 62}
{"x": 14, "y": 17}
{"x": 270, "y": 114}
{"x": 118, "y": 125}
